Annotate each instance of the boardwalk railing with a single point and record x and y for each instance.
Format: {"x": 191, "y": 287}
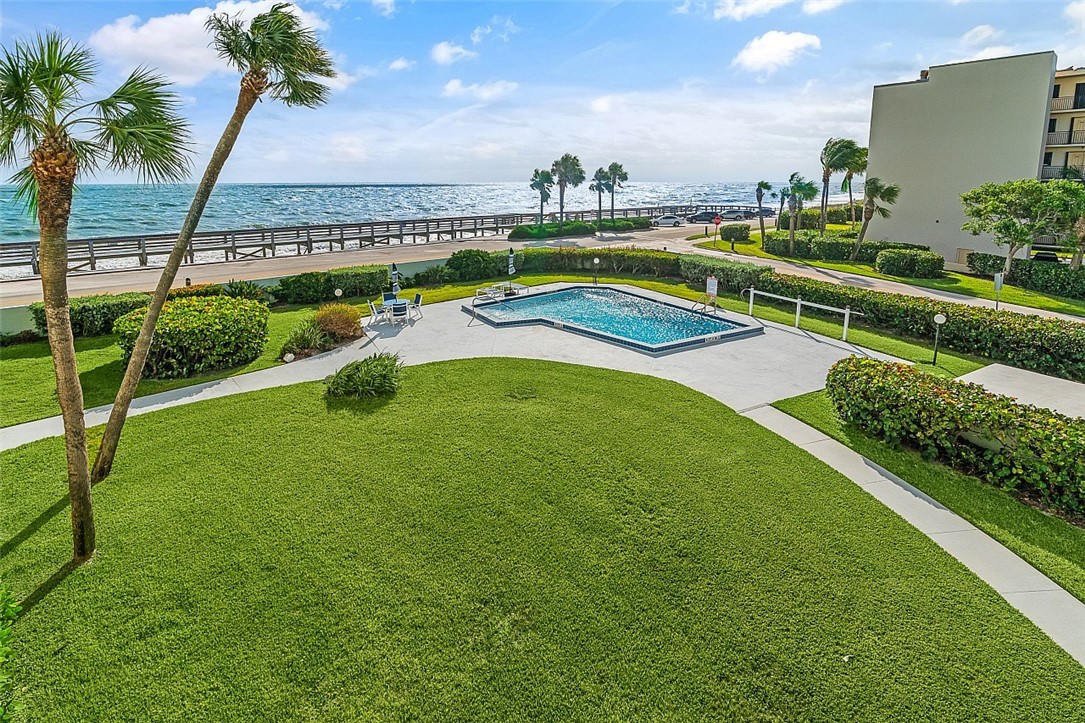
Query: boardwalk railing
{"x": 87, "y": 254}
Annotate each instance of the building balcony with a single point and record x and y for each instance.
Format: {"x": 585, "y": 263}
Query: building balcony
{"x": 1066, "y": 102}
{"x": 1048, "y": 173}
{"x": 1066, "y": 138}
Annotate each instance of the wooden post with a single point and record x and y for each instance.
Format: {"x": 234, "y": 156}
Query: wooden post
{"x": 90, "y": 251}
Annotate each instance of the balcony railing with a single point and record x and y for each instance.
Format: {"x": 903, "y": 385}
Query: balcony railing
{"x": 1065, "y": 138}
{"x": 1066, "y": 102}
{"x": 1048, "y": 173}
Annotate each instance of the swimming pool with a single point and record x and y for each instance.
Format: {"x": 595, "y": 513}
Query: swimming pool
{"x": 616, "y": 316}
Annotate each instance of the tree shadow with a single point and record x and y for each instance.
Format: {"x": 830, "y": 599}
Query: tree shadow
{"x": 100, "y": 384}
{"x": 358, "y": 407}
{"x": 36, "y": 524}
{"x": 48, "y": 586}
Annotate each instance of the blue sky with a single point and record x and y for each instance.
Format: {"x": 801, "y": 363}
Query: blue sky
{"x": 462, "y": 91}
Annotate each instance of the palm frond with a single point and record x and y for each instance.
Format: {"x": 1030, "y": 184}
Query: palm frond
{"x": 230, "y": 40}
{"x": 26, "y": 189}
{"x": 58, "y": 67}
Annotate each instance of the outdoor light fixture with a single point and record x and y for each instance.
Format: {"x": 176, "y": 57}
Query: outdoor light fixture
{"x": 939, "y": 319}
{"x": 338, "y": 294}
{"x": 595, "y": 270}
{"x": 288, "y": 357}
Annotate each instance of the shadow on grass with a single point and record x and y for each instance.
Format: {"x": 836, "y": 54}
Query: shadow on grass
{"x": 36, "y": 524}
{"x": 40, "y": 349}
{"x": 48, "y": 586}
{"x": 359, "y": 407}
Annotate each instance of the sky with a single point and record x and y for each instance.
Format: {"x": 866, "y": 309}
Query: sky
{"x": 459, "y": 91}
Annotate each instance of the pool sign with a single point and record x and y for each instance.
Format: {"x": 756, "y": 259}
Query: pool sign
{"x": 998, "y": 288}
{"x": 713, "y": 286}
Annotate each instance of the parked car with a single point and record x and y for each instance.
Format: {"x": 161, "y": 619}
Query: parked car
{"x": 735, "y": 214}
{"x": 702, "y": 217}
{"x": 667, "y": 220}
{"x": 1046, "y": 256}
{"x": 766, "y": 212}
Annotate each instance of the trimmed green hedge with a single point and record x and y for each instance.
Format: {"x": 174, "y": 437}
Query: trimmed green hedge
{"x": 732, "y": 276}
{"x": 552, "y": 230}
{"x": 314, "y": 287}
{"x": 196, "y": 290}
{"x": 198, "y": 334}
{"x": 910, "y": 263}
{"x": 1044, "y": 276}
{"x": 832, "y": 247}
{"x": 93, "y": 315}
{"x": 470, "y": 264}
{"x": 811, "y": 217}
{"x": 611, "y": 260}
{"x": 736, "y": 232}
{"x": 1035, "y": 452}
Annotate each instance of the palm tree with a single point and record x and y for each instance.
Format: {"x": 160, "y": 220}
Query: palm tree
{"x": 542, "y": 181}
{"x": 835, "y": 157}
{"x": 567, "y": 172}
{"x": 857, "y": 167}
{"x": 877, "y": 196}
{"x": 45, "y": 122}
{"x": 618, "y": 176}
{"x": 762, "y": 186}
{"x": 782, "y": 195}
{"x": 600, "y": 184}
{"x": 278, "y": 56}
{"x": 799, "y": 190}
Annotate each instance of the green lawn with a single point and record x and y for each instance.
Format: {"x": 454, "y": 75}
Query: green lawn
{"x": 1052, "y": 545}
{"x": 954, "y": 282}
{"x": 27, "y": 383}
{"x": 599, "y": 557}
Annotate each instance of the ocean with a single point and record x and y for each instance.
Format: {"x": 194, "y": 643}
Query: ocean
{"x": 122, "y": 210}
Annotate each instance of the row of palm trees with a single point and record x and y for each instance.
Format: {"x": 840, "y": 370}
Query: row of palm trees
{"x": 55, "y": 136}
{"x": 567, "y": 172}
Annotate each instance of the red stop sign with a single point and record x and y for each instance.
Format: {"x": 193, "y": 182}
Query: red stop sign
{"x": 717, "y": 220}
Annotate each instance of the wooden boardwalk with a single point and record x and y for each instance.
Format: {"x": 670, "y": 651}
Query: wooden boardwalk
{"x": 88, "y": 254}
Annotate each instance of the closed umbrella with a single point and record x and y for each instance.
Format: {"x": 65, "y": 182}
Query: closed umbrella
{"x": 512, "y": 262}
{"x": 395, "y": 279}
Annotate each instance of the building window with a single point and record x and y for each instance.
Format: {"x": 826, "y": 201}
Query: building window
{"x": 1050, "y": 125}
{"x": 1047, "y": 158}
{"x": 1055, "y": 91}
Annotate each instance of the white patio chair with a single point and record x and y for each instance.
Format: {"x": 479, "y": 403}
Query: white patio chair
{"x": 416, "y": 305}
{"x": 375, "y": 316}
{"x": 400, "y": 314}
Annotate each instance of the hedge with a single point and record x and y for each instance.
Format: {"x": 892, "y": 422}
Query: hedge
{"x": 198, "y": 334}
{"x": 470, "y": 264}
{"x": 1044, "y": 276}
{"x": 196, "y": 290}
{"x": 832, "y": 247}
{"x": 93, "y": 315}
{"x": 732, "y": 275}
{"x": 735, "y": 232}
{"x": 552, "y": 230}
{"x": 910, "y": 263}
{"x": 611, "y": 260}
{"x": 1020, "y": 448}
{"x": 312, "y": 287}
{"x": 811, "y": 217}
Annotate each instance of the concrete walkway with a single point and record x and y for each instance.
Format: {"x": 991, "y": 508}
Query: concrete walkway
{"x": 745, "y": 374}
{"x": 1027, "y": 387}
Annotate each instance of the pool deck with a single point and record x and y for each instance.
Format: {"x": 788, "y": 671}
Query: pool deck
{"x": 746, "y": 374}
{"x": 1061, "y": 395}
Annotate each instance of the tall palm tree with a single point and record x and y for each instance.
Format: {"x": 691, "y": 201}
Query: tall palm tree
{"x": 541, "y": 182}
{"x": 567, "y": 172}
{"x": 762, "y": 186}
{"x": 782, "y": 194}
{"x": 835, "y": 157}
{"x": 798, "y": 190}
{"x": 618, "y": 176}
{"x": 600, "y": 184}
{"x": 46, "y": 123}
{"x": 877, "y": 197}
{"x": 278, "y": 56}
{"x": 857, "y": 167}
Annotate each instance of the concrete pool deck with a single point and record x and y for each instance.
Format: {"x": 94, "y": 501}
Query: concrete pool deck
{"x": 1040, "y": 390}
{"x": 746, "y": 374}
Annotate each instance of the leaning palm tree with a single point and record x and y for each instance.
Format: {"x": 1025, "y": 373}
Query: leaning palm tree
{"x": 600, "y": 184}
{"x": 782, "y": 195}
{"x": 877, "y": 197}
{"x": 278, "y": 56}
{"x": 837, "y": 154}
{"x": 46, "y": 123}
{"x": 857, "y": 167}
{"x": 541, "y": 182}
{"x": 567, "y": 172}
{"x": 618, "y": 176}
{"x": 762, "y": 186}
{"x": 798, "y": 190}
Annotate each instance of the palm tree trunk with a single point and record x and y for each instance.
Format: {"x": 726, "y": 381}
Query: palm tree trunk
{"x": 561, "y": 204}
{"x": 761, "y": 221}
{"x": 862, "y": 235}
{"x": 251, "y": 88}
{"x": 791, "y": 232}
{"x": 540, "y": 209}
{"x": 851, "y": 202}
{"x": 601, "y": 209}
{"x": 54, "y": 207}
{"x": 824, "y": 201}
{"x": 613, "y": 187}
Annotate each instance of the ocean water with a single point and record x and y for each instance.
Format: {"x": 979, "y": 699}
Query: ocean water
{"x": 122, "y": 210}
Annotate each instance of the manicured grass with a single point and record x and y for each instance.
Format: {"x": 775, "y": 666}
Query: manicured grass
{"x": 271, "y": 556}
{"x": 953, "y": 282}
{"x": 1052, "y": 545}
{"x": 27, "y": 383}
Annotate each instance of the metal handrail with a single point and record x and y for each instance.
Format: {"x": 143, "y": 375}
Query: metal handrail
{"x": 799, "y": 303}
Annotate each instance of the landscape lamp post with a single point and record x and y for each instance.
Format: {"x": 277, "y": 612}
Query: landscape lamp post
{"x": 338, "y": 294}
{"x": 595, "y": 271}
{"x": 939, "y": 319}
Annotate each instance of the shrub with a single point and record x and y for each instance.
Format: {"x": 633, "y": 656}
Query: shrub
{"x": 340, "y": 321}
{"x": 435, "y": 276}
{"x": 1018, "y": 447}
{"x": 182, "y": 292}
{"x": 26, "y": 336}
{"x": 9, "y": 610}
{"x": 198, "y": 334}
{"x": 618, "y": 225}
{"x": 809, "y": 244}
{"x": 374, "y": 376}
{"x": 811, "y": 217}
{"x": 735, "y": 233}
{"x": 306, "y": 339}
{"x": 552, "y": 230}
{"x": 831, "y": 248}
{"x": 310, "y": 287}
{"x": 776, "y": 243}
{"x": 612, "y": 260}
{"x": 1044, "y": 276}
{"x": 245, "y": 290}
{"x": 732, "y": 275}
{"x": 93, "y": 315}
{"x": 358, "y": 281}
{"x": 471, "y": 264}
{"x": 913, "y": 264}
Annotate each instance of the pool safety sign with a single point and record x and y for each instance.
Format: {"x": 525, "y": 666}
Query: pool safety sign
{"x": 713, "y": 286}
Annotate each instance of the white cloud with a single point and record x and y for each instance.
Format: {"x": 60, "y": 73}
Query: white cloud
{"x": 177, "y": 44}
{"x": 387, "y": 8}
{"x": 774, "y": 50}
{"x": 335, "y": 4}
{"x": 602, "y": 104}
{"x": 813, "y": 7}
{"x": 682, "y": 9}
{"x": 503, "y": 28}
{"x": 347, "y": 147}
{"x": 1075, "y": 15}
{"x": 742, "y": 9}
{"x": 981, "y": 34}
{"x": 446, "y": 53}
{"x": 479, "y": 91}
{"x": 479, "y": 33}
{"x": 400, "y": 64}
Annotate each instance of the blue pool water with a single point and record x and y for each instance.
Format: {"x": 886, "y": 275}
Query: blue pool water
{"x": 611, "y": 312}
